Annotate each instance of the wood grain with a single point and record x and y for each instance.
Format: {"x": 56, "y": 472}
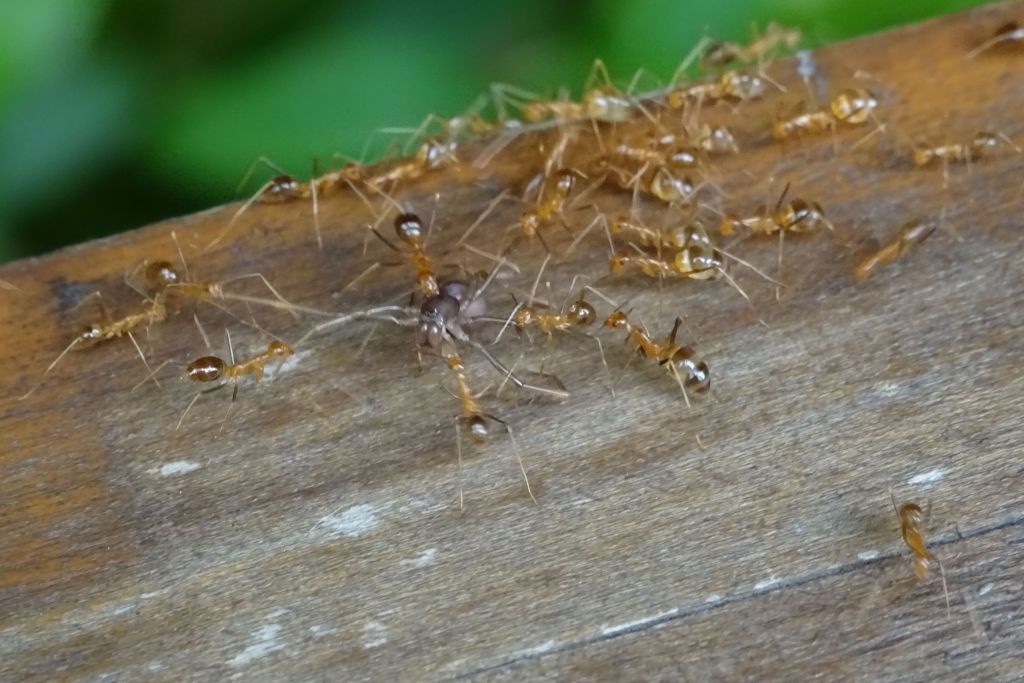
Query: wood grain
{"x": 318, "y": 536}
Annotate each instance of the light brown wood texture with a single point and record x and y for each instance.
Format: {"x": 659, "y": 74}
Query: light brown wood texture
{"x": 316, "y": 534}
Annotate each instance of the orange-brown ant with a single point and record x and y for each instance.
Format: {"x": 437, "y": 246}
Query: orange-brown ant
{"x": 910, "y": 235}
{"x": 474, "y": 421}
{"x": 552, "y": 200}
{"x": 731, "y": 86}
{"x": 911, "y": 520}
{"x": 796, "y": 216}
{"x": 409, "y": 229}
{"x": 774, "y": 37}
{"x": 213, "y": 369}
{"x": 976, "y": 148}
{"x": 682, "y": 362}
{"x": 852, "y": 106}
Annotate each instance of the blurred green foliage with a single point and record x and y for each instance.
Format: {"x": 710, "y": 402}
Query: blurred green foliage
{"x": 117, "y": 113}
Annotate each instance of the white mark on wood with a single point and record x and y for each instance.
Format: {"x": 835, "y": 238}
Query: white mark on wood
{"x": 425, "y": 558}
{"x": 321, "y": 630}
{"x": 374, "y": 635}
{"x": 421, "y": 506}
{"x": 889, "y": 388}
{"x": 287, "y": 366}
{"x": 607, "y": 630}
{"x": 868, "y": 555}
{"x": 155, "y": 666}
{"x": 177, "y": 467}
{"x": 766, "y": 583}
{"x": 985, "y": 589}
{"x": 714, "y": 597}
{"x": 927, "y": 477}
{"x": 151, "y": 594}
{"x": 546, "y": 646}
{"x": 124, "y": 608}
{"x": 355, "y": 521}
{"x": 266, "y": 642}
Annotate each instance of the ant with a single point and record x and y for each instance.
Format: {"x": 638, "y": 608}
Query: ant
{"x": 604, "y": 102}
{"x": 409, "y": 229}
{"x": 214, "y": 368}
{"x": 551, "y": 203}
{"x": 910, "y": 235}
{"x": 474, "y": 421}
{"x": 578, "y": 314}
{"x": 680, "y": 361}
{"x": 796, "y": 216}
{"x": 694, "y": 262}
{"x": 775, "y": 36}
{"x": 853, "y": 106}
{"x": 1007, "y": 33}
{"x": 678, "y": 237}
{"x": 966, "y": 152}
{"x": 911, "y": 520}
{"x": 154, "y": 310}
{"x": 732, "y": 86}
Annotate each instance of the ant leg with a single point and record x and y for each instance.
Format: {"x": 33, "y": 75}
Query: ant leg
{"x": 778, "y": 288}
{"x": 480, "y": 219}
{"x": 51, "y": 366}
{"x": 150, "y": 375}
{"x": 144, "y": 361}
{"x": 316, "y": 212}
{"x": 518, "y": 453}
{"x": 559, "y": 392}
{"x": 187, "y": 408}
{"x": 458, "y": 455}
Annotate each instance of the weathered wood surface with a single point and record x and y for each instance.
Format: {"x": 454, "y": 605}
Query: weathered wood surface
{"x": 319, "y": 537}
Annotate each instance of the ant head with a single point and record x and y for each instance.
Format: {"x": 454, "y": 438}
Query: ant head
{"x": 616, "y": 319}
{"x": 205, "y": 369}
{"x": 618, "y": 262}
{"x": 677, "y": 99}
{"x": 581, "y": 313}
{"x": 409, "y": 228}
{"x": 160, "y": 274}
{"x": 278, "y": 349}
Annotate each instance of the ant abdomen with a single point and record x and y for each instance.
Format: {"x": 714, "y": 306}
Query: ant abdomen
{"x": 477, "y": 428}
{"x": 205, "y": 369}
{"x": 409, "y": 228}
{"x": 696, "y": 372}
{"x": 161, "y": 274}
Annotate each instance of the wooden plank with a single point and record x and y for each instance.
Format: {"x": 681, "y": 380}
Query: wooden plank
{"x": 318, "y": 533}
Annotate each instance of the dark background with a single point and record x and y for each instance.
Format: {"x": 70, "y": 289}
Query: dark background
{"x": 117, "y": 113}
